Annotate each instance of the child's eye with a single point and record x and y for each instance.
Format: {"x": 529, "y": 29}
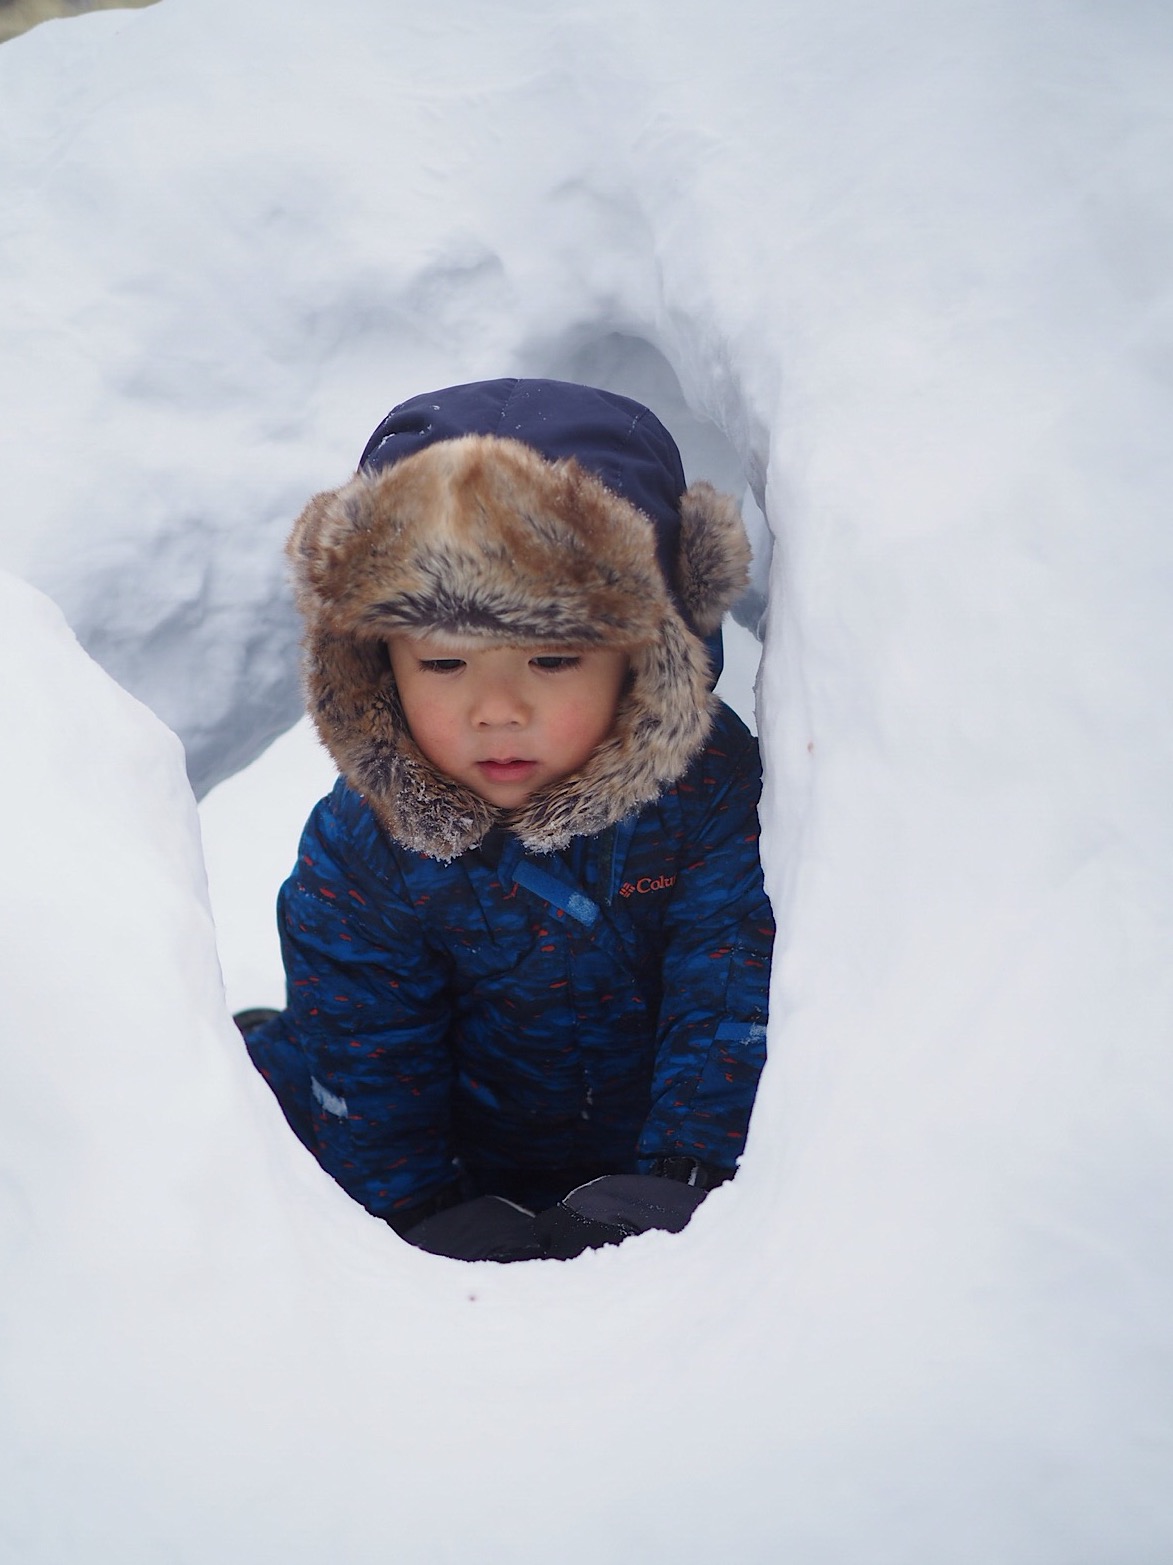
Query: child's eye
{"x": 441, "y": 665}
{"x": 554, "y": 663}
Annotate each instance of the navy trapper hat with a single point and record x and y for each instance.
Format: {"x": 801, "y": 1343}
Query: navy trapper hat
{"x": 620, "y": 441}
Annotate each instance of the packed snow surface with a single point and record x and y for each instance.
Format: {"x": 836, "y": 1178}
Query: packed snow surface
{"x": 903, "y": 273}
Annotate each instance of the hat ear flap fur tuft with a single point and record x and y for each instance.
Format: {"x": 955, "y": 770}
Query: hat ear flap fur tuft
{"x": 714, "y": 555}
{"x": 323, "y": 536}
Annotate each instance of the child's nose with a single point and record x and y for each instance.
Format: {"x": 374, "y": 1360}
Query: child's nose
{"x": 499, "y": 704}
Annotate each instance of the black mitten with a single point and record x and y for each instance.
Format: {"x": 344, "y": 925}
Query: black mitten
{"x": 613, "y": 1208}
{"x": 564, "y": 1233}
{"x": 488, "y": 1228}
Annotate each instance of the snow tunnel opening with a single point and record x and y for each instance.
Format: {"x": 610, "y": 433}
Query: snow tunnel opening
{"x": 253, "y": 820}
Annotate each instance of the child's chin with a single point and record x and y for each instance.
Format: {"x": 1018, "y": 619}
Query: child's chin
{"x": 505, "y": 797}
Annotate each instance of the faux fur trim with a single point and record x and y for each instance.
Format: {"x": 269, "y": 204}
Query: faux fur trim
{"x": 715, "y": 555}
{"x": 482, "y": 537}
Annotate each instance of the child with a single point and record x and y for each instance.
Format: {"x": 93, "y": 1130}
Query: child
{"x": 526, "y": 942}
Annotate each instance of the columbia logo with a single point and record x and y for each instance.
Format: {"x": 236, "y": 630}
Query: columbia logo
{"x": 639, "y": 887}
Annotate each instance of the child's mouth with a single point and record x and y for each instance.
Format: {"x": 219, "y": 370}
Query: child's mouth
{"x": 506, "y": 771}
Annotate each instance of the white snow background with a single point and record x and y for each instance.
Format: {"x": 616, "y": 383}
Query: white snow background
{"x": 906, "y": 270}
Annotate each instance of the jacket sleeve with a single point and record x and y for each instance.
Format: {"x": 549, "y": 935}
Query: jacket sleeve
{"x": 711, "y": 1041}
{"x": 367, "y": 1010}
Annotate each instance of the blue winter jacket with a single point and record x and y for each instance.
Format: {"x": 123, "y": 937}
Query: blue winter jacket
{"x": 604, "y": 1005}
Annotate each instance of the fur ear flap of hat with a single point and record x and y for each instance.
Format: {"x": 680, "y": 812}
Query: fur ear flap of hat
{"x": 481, "y": 537}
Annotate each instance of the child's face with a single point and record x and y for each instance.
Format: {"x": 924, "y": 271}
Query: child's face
{"x": 506, "y": 721}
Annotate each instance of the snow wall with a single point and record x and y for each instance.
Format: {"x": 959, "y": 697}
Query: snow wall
{"x": 904, "y": 269}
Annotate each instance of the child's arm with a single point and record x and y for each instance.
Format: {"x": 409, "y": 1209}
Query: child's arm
{"x": 367, "y": 1004}
{"x": 711, "y": 1044}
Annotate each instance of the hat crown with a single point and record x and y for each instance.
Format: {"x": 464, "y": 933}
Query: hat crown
{"x": 617, "y": 439}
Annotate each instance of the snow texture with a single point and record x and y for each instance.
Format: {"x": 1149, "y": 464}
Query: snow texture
{"x": 903, "y": 271}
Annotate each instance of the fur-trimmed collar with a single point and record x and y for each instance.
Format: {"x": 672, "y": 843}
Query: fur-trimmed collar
{"x": 483, "y": 537}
